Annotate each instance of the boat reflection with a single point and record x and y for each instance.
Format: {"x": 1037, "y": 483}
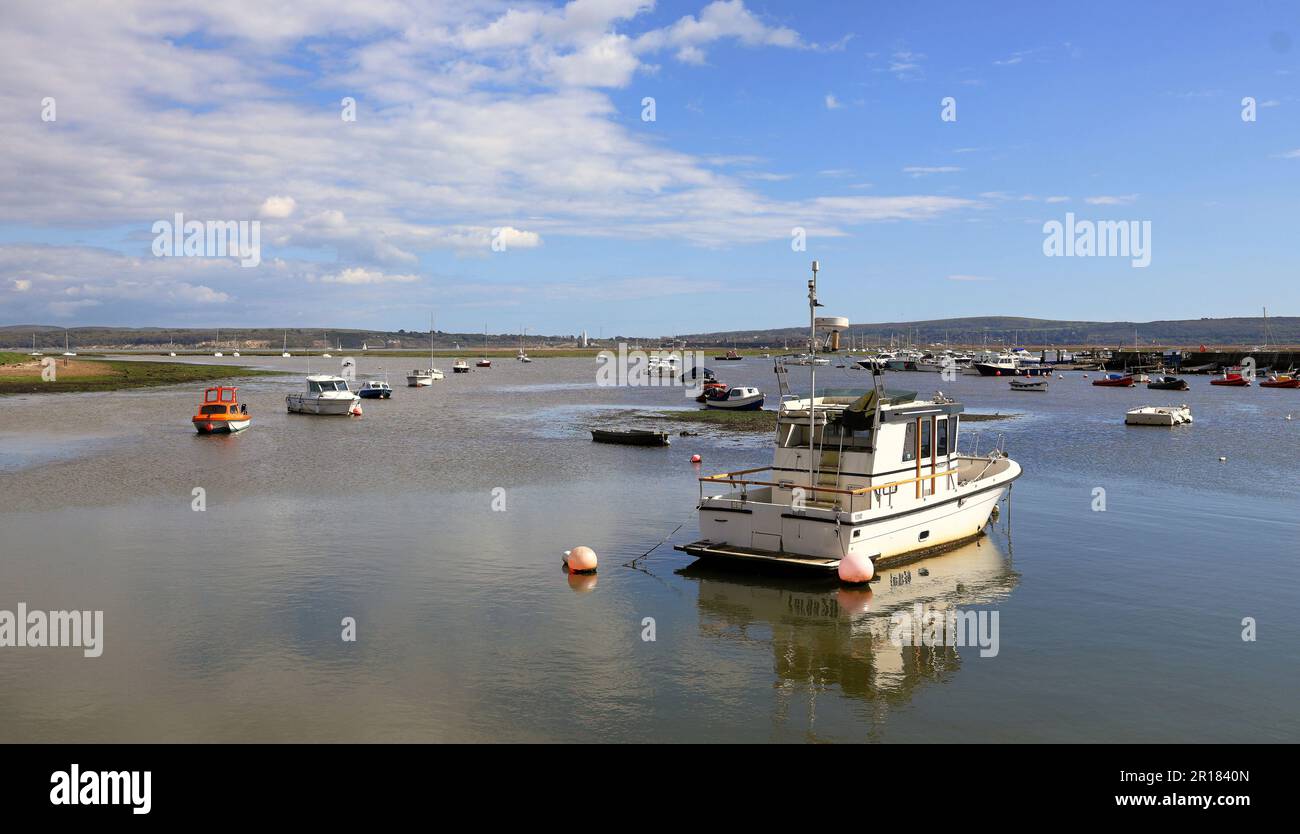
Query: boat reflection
{"x": 825, "y": 634}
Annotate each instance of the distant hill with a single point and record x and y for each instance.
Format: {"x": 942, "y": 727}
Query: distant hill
{"x": 1008, "y": 330}
{"x": 1026, "y": 331}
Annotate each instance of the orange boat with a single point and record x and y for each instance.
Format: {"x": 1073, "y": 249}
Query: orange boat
{"x": 1280, "y": 381}
{"x": 221, "y": 412}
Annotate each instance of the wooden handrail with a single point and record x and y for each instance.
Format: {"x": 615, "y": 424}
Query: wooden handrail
{"x": 726, "y": 478}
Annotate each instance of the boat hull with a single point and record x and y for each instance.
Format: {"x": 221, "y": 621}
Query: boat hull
{"x": 743, "y": 404}
{"x": 1126, "y": 382}
{"x": 374, "y": 394}
{"x": 770, "y": 533}
{"x": 320, "y": 406}
{"x": 1180, "y": 385}
{"x": 221, "y": 426}
{"x": 632, "y": 438}
{"x": 1284, "y": 383}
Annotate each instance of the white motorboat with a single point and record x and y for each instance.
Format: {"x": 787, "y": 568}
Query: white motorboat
{"x": 460, "y": 366}
{"x": 1159, "y": 415}
{"x": 422, "y": 377}
{"x": 870, "y": 475}
{"x": 737, "y": 399}
{"x": 666, "y": 364}
{"x": 325, "y": 395}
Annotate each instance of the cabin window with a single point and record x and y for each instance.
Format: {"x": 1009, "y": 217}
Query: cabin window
{"x": 925, "y": 438}
{"x": 941, "y": 438}
{"x": 909, "y": 442}
{"x": 314, "y": 387}
{"x": 213, "y": 409}
{"x": 227, "y": 396}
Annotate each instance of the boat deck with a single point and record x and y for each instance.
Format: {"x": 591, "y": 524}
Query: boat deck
{"x": 711, "y": 550}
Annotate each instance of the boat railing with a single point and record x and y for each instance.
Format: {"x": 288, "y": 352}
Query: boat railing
{"x": 876, "y": 493}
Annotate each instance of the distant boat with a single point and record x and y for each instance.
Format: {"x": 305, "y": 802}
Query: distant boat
{"x": 738, "y": 399}
{"x": 1167, "y": 383}
{"x": 1026, "y": 385}
{"x": 1159, "y": 415}
{"x": 221, "y": 412}
{"x": 284, "y": 346}
{"x": 632, "y": 437}
{"x": 67, "y": 351}
{"x": 484, "y": 363}
{"x": 375, "y": 389}
{"x": 460, "y": 366}
{"x": 421, "y": 378}
{"x": 35, "y": 352}
{"x": 1232, "y": 378}
{"x": 729, "y": 356}
{"x": 1280, "y": 381}
{"x": 1115, "y": 381}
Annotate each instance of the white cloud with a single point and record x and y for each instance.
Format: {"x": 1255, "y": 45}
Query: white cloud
{"x": 922, "y": 170}
{"x": 359, "y": 275}
{"x": 277, "y": 207}
{"x": 21, "y": 285}
{"x": 968, "y": 278}
{"x": 1058, "y": 199}
{"x": 1110, "y": 199}
{"x": 832, "y": 103}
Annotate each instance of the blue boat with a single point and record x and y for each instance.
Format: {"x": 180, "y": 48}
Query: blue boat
{"x": 374, "y": 389}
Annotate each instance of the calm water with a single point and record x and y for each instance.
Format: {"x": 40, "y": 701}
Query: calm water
{"x": 224, "y": 625}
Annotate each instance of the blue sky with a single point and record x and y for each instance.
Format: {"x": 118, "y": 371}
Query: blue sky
{"x": 476, "y": 117}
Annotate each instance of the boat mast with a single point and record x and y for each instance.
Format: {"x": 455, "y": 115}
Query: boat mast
{"x": 812, "y": 371}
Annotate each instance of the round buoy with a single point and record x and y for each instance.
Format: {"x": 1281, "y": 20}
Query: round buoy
{"x": 696, "y": 458}
{"x": 356, "y": 410}
{"x": 997, "y": 373}
{"x": 207, "y": 427}
{"x": 581, "y": 560}
{"x": 856, "y": 569}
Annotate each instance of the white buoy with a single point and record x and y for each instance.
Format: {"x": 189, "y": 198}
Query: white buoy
{"x": 581, "y": 560}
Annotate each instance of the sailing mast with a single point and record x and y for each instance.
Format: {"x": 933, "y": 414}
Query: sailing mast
{"x": 812, "y": 373}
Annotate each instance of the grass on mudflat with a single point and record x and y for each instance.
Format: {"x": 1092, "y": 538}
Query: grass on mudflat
{"x": 74, "y": 375}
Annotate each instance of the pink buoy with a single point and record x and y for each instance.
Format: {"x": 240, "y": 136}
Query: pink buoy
{"x": 856, "y": 569}
{"x": 696, "y": 458}
{"x": 581, "y": 560}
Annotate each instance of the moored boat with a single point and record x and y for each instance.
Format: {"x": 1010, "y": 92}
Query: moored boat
{"x": 423, "y": 377}
{"x": 1231, "y": 379}
{"x": 1280, "y": 381}
{"x": 737, "y": 399}
{"x": 835, "y": 490}
{"x": 1027, "y": 385}
{"x": 631, "y": 437}
{"x": 325, "y": 396}
{"x": 484, "y": 363}
{"x": 729, "y": 356}
{"x": 375, "y": 389}
{"x": 1167, "y": 383}
{"x": 1115, "y": 381}
{"x": 1159, "y": 415}
{"x": 460, "y": 366}
{"x": 221, "y": 412}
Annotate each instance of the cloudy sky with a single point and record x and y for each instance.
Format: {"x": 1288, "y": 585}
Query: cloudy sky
{"x": 526, "y": 124}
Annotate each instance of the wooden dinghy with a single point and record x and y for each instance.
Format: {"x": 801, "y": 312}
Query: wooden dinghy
{"x": 631, "y": 437}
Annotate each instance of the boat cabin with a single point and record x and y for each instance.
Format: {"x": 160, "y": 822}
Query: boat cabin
{"x": 321, "y": 384}
{"x": 222, "y": 400}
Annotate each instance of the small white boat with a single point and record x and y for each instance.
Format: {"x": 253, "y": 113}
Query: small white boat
{"x": 1159, "y": 415}
{"x": 325, "y": 395}
{"x": 460, "y": 366}
{"x": 284, "y": 347}
{"x": 1028, "y": 385}
{"x": 422, "y": 377}
{"x": 738, "y": 399}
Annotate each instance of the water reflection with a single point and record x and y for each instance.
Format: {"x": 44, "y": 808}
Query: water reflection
{"x": 825, "y": 635}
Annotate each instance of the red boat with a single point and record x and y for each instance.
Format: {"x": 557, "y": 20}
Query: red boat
{"x": 1231, "y": 379}
{"x": 1280, "y": 381}
{"x": 1115, "y": 381}
{"x": 712, "y": 390}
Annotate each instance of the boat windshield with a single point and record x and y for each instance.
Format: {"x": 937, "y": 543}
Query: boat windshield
{"x": 213, "y": 409}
